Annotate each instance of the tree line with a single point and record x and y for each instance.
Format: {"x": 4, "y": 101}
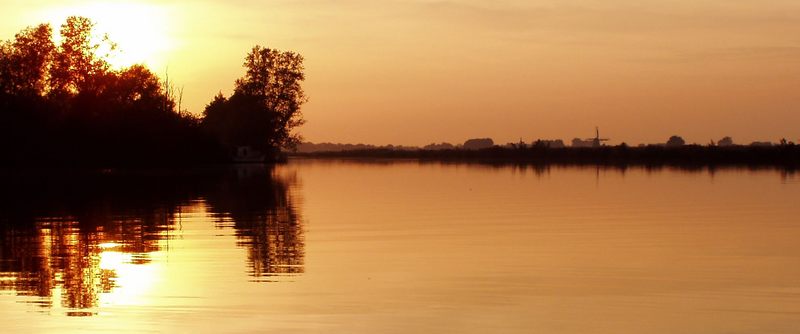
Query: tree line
{"x": 64, "y": 104}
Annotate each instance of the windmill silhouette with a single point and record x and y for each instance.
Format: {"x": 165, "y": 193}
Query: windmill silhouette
{"x": 596, "y": 141}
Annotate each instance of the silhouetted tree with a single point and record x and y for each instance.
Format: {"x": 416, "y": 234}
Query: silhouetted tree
{"x": 66, "y": 105}
{"x": 265, "y": 105}
{"x": 478, "y": 143}
{"x": 23, "y": 62}
{"x": 675, "y": 141}
{"x": 726, "y": 141}
{"x": 76, "y": 62}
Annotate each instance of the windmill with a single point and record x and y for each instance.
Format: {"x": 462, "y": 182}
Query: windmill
{"x": 596, "y": 140}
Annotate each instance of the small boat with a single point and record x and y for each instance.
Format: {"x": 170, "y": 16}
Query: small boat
{"x": 246, "y": 154}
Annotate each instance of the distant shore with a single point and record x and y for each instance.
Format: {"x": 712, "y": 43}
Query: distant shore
{"x": 784, "y": 156}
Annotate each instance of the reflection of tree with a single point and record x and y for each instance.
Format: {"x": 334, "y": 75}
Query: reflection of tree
{"x": 66, "y": 254}
{"x": 72, "y": 261}
{"x": 56, "y": 229}
{"x": 263, "y": 211}
{"x": 23, "y": 266}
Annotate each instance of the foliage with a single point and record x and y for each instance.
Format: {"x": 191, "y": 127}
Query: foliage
{"x": 23, "y": 62}
{"x": 675, "y": 141}
{"x": 65, "y": 104}
{"x": 265, "y": 105}
{"x": 76, "y": 65}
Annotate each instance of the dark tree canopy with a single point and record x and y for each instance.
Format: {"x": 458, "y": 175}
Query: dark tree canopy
{"x": 24, "y": 61}
{"x": 77, "y": 66}
{"x": 265, "y": 105}
{"x": 675, "y": 141}
{"x": 64, "y": 104}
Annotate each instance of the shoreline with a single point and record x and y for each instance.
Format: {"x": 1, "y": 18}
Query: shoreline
{"x": 691, "y": 156}
{"x": 786, "y": 157}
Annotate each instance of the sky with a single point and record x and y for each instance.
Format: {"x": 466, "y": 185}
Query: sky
{"x": 418, "y": 71}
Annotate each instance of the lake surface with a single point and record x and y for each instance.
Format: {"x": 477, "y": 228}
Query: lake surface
{"x": 317, "y": 246}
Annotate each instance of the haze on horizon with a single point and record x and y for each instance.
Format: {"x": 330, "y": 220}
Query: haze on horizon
{"x": 416, "y": 72}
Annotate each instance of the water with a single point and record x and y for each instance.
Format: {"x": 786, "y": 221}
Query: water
{"x": 355, "y": 247}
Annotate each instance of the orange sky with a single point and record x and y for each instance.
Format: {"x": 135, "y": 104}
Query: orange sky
{"x": 414, "y": 72}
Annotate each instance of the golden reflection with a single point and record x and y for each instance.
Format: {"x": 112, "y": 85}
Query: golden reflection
{"x": 132, "y": 280}
{"x": 264, "y": 215}
{"x": 60, "y": 261}
{"x": 100, "y": 244}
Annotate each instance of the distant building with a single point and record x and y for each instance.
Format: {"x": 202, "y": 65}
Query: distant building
{"x": 590, "y": 142}
{"x": 478, "y": 143}
{"x": 577, "y": 142}
{"x": 761, "y": 144}
{"x": 675, "y": 141}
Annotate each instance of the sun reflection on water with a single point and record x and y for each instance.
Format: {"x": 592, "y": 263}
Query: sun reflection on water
{"x": 131, "y": 281}
{"x": 111, "y": 249}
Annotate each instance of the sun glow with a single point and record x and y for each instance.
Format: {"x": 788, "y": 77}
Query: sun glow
{"x": 140, "y": 30}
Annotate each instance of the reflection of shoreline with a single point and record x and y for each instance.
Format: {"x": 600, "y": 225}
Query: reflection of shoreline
{"x": 544, "y": 168}
{"x": 688, "y": 156}
{"x": 71, "y": 239}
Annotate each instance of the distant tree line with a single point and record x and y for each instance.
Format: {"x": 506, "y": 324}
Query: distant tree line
{"x": 64, "y": 104}
{"x": 675, "y": 152}
{"x": 308, "y": 147}
{"x": 674, "y": 141}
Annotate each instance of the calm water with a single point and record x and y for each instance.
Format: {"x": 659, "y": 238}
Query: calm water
{"x": 321, "y": 247}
